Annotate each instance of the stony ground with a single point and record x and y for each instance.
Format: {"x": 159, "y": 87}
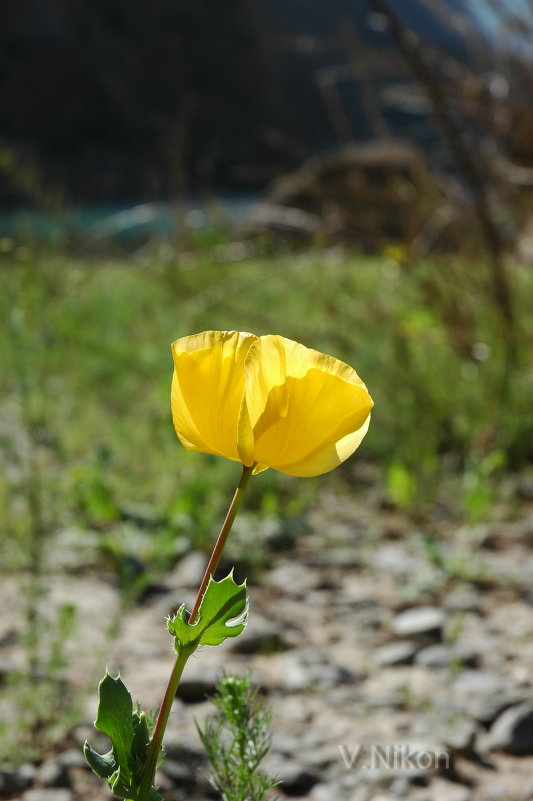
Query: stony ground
{"x": 396, "y": 669}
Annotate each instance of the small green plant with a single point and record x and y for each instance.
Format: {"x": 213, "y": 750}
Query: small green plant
{"x": 401, "y": 484}
{"x": 236, "y": 739}
{"x": 479, "y": 485}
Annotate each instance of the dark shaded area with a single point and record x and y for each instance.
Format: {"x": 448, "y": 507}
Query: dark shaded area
{"x": 114, "y": 101}
{"x": 128, "y": 99}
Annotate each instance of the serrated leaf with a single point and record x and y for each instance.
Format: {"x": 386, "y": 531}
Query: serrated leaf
{"x": 115, "y": 710}
{"x": 222, "y": 614}
{"x": 128, "y": 731}
{"x": 101, "y": 764}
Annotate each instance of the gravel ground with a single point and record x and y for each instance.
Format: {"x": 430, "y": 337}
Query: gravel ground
{"x": 392, "y": 673}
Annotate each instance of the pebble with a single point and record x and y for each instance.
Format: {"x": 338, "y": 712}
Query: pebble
{"x": 53, "y": 773}
{"x": 334, "y": 557}
{"x": 325, "y": 792}
{"x": 259, "y": 637}
{"x": 181, "y": 774}
{"x": 189, "y": 571}
{"x": 72, "y": 758}
{"x": 483, "y": 696}
{"x": 512, "y": 731}
{"x": 15, "y": 781}
{"x": 143, "y": 515}
{"x": 394, "y": 559}
{"x": 442, "y": 790}
{"x": 442, "y": 656}
{"x": 7, "y": 666}
{"x": 297, "y": 779}
{"x": 54, "y": 794}
{"x": 299, "y": 676}
{"x": 396, "y": 653}
{"x": 196, "y": 690}
{"x": 423, "y": 623}
{"x": 459, "y": 735}
{"x": 293, "y": 579}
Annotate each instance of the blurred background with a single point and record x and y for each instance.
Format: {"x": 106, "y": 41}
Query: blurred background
{"x": 354, "y": 175}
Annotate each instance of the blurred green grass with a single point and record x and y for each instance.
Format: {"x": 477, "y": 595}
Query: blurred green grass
{"x": 87, "y": 368}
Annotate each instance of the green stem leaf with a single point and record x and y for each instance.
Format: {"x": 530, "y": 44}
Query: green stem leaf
{"x": 222, "y": 613}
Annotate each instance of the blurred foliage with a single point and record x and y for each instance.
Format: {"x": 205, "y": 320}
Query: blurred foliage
{"x": 87, "y": 368}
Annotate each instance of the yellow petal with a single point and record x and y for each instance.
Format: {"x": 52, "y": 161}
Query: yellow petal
{"x": 330, "y": 457}
{"x": 308, "y": 411}
{"x": 207, "y": 393}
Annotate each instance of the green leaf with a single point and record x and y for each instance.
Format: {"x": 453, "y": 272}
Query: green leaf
{"x": 115, "y": 710}
{"x": 222, "y": 614}
{"x": 101, "y": 764}
{"x": 129, "y": 733}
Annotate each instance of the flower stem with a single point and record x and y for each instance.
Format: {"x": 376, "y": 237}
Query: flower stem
{"x": 161, "y": 724}
{"x": 181, "y": 659}
{"x": 222, "y": 537}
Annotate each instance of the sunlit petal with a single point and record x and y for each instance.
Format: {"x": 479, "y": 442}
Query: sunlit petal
{"x": 307, "y": 410}
{"x": 207, "y": 393}
{"x": 330, "y": 457}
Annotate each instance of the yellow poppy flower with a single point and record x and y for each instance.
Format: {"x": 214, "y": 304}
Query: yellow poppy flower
{"x": 267, "y": 401}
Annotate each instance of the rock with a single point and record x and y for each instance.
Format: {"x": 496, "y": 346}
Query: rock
{"x": 392, "y": 699}
{"x": 7, "y": 667}
{"x": 196, "y": 690}
{"x": 462, "y": 599}
{"x": 482, "y": 696}
{"x": 394, "y": 559}
{"x": 15, "y": 781}
{"x": 326, "y": 792}
{"x": 524, "y": 487}
{"x": 72, "y": 758}
{"x": 53, "y": 774}
{"x": 293, "y": 579}
{"x": 334, "y": 557}
{"x": 423, "y": 623}
{"x": 442, "y": 790}
{"x": 284, "y": 743}
{"x": 163, "y": 783}
{"x": 296, "y": 779}
{"x": 9, "y": 637}
{"x": 434, "y": 656}
{"x": 442, "y": 656}
{"x": 54, "y": 794}
{"x": 332, "y": 675}
{"x": 512, "y": 731}
{"x": 189, "y": 571}
{"x": 458, "y": 736}
{"x": 181, "y": 774}
{"x": 259, "y": 637}
{"x": 298, "y": 675}
{"x": 317, "y": 758}
{"x": 73, "y": 546}
{"x": 177, "y": 753}
{"x": 396, "y": 653}
{"x": 143, "y": 515}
